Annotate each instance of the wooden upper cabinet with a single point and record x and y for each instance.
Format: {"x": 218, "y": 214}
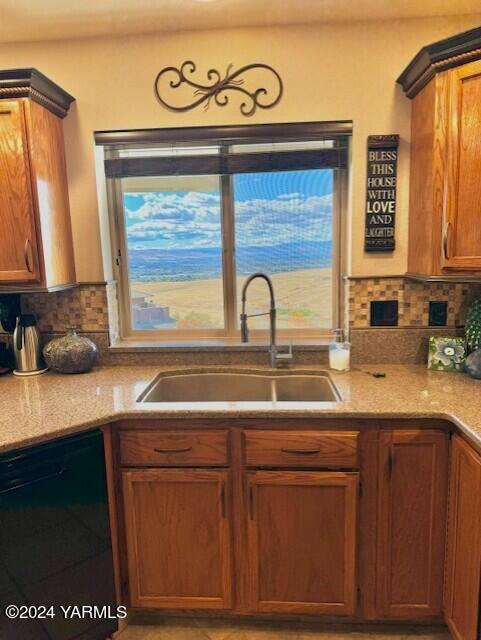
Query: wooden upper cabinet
{"x": 302, "y": 533}
{"x": 463, "y": 568}
{"x": 36, "y": 249}
{"x": 427, "y": 177}
{"x": 445, "y": 177}
{"x": 18, "y": 241}
{"x": 178, "y": 538}
{"x": 413, "y": 466}
{"x": 462, "y": 234}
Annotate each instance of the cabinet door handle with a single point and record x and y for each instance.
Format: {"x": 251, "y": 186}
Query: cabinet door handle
{"x": 178, "y": 450}
{"x": 390, "y": 463}
{"x": 27, "y": 256}
{"x": 222, "y": 500}
{"x": 447, "y": 241}
{"x": 301, "y": 452}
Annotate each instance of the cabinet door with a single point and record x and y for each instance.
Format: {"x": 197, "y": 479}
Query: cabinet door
{"x": 463, "y": 570}
{"x": 18, "y": 244}
{"x": 302, "y": 541}
{"x": 178, "y": 544}
{"x": 48, "y": 172}
{"x": 411, "y": 523}
{"x": 462, "y": 233}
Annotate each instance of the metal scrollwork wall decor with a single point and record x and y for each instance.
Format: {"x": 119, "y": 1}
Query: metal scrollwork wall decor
{"x": 217, "y": 87}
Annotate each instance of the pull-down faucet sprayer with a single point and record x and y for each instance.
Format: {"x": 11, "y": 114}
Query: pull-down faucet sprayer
{"x": 274, "y": 357}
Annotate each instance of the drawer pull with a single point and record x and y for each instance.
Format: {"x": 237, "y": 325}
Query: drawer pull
{"x": 302, "y": 452}
{"x": 179, "y": 450}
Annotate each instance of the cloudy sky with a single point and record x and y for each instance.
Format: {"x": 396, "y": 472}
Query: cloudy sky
{"x": 270, "y": 209}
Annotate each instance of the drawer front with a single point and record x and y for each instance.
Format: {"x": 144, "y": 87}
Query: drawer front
{"x": 173, "y": 448}
{"x": 302, "y": 448}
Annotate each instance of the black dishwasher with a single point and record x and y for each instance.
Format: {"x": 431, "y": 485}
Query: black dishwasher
{"x": 55, "y": 549}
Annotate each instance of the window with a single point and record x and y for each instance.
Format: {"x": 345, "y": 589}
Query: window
{"x": 192, "y": 219}
{"x": 284, "y": 227}
{"x": 173, "y": 231}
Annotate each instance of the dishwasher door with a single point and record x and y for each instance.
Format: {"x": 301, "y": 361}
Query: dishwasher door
{"x": 55, "y": 544}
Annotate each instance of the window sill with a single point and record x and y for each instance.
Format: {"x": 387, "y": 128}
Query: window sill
{"x": 131, "y": 346}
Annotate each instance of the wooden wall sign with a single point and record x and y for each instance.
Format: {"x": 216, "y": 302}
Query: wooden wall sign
{"x": 382, "y": 152}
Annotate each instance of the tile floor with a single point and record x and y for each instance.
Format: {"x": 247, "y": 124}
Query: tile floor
{"x": 204, "y": 629}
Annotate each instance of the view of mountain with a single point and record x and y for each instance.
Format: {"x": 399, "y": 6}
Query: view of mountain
{"x": 203, "y": 263}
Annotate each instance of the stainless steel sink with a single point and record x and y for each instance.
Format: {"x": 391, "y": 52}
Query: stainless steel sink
{"x": 305, "y": 388}
{"x": 225, "y": 386}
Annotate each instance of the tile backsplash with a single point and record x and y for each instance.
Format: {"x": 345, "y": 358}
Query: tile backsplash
{"x": 407, "y": 342}
{"x": 84, "y": 307}
{"x": 413, "y": 300}
{"x": 92, "y": 308}
{"x": 87, "y": 306}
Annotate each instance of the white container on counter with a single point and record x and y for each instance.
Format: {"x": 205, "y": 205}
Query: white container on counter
{"x": 339, "y": 353}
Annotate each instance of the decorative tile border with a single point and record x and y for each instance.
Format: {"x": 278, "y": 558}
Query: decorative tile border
{"x": 413, "y": 298}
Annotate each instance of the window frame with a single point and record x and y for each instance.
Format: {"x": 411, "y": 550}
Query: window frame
{"x": 257, "y": 133}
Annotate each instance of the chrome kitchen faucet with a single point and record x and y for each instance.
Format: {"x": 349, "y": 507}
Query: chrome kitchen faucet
{"x": 274, "y": 357}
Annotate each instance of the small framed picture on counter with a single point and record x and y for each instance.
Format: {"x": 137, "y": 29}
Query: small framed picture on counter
{"x": 446, "y": 354}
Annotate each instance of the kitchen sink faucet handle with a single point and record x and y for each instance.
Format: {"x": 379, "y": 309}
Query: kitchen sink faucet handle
{"x": 285, "y": 357}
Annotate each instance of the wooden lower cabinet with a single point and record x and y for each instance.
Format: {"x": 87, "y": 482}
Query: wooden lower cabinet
{"x": 178, "y": 539}
{"x": 300, "y": 547}
{"x": 412, "y": 487}
{"x": 463, "y": 570}
{"x": 302, "y": 541}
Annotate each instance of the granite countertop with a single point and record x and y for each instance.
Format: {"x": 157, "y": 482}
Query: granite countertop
{"x": 44, "y": 407}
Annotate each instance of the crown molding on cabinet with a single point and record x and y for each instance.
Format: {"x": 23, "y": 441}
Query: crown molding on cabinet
{"x": 30, "y": 83}
{"x": 439, "y": 56}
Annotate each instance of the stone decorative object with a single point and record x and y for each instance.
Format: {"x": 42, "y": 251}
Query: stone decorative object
{"x": 70, "y": 353}
{"x": 446, "y": 354}
{"x": 473, "y": 364}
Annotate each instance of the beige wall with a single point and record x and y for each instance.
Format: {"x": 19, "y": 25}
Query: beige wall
{"x": 330, "y": 73}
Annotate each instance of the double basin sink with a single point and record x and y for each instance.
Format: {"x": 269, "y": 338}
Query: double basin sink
{"x": 239, "y": 387}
